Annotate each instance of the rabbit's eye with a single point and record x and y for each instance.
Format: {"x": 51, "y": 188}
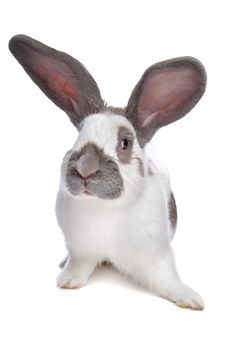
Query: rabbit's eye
{"x": 124, "y": 143}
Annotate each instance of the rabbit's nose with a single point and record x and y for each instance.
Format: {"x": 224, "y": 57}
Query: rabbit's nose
{"x": 87, "y": 165}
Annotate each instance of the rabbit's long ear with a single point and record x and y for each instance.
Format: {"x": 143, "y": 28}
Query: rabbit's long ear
{"x": 62, "y": 78}
{"x": 165, "y": 93}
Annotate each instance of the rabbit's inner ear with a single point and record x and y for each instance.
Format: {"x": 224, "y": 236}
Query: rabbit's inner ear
{"x": 62, "y": 78}
{"x": 166, "y": 96}
{"x": 166, "y": 92}
{"x": 55, "y": 80}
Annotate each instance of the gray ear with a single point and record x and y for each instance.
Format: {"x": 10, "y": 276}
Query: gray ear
{"x": 62, "y": 78}
{"x": 166, "y": 92}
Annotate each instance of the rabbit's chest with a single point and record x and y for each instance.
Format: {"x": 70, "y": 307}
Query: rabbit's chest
{"x": 99, "y": 229}
{"x": 86, "y": 228}
{"x": 94, "y": 236}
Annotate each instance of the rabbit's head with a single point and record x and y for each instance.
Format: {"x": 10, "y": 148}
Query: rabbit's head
{"x": 108, "y": 157}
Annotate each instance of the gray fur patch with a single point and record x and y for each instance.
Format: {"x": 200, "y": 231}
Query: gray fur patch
{"x": 141, "y": 168}
{"x": 63, "y": 262}
{"x": 106, "y": 182}
{"x": 172, "y": 210}
{"x": 125, "y": 155}
{"x": 113, "y": 110}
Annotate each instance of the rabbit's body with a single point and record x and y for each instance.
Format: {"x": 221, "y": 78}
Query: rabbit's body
{"x": 133, "y": 231}
{"x": 106, "y": 229}
{"x": 114, "y": 204}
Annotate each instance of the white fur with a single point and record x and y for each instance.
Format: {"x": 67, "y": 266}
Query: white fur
{"x": 133, "y": 232}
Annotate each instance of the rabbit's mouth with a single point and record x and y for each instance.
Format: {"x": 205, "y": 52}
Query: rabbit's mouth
{"x": 99, "y": 186}
{"x": 87, "y": 192}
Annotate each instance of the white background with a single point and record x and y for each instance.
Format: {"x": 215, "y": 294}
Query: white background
{"x": 116, "y": 41}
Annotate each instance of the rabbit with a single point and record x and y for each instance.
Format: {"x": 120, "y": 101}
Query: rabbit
{"x": 115, "y": 204}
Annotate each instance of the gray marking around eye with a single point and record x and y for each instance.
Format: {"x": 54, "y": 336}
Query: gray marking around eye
{"x": 125, "y": 156}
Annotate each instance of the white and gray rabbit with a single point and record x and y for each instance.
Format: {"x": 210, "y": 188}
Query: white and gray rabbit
{"x": 114, "y": 204}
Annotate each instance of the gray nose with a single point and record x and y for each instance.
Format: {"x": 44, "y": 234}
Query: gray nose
{"x": 88, "y": 164}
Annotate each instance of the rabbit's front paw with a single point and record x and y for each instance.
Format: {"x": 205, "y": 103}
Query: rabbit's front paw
{"x": 69, "y": 280}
